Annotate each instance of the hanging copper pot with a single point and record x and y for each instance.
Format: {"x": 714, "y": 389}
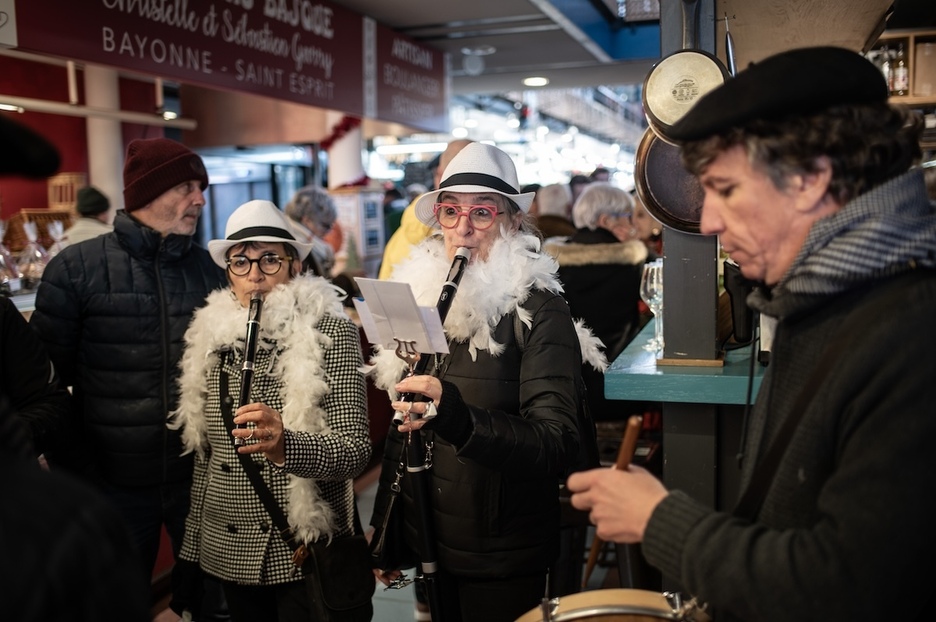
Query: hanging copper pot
{"x": 676, "y": 82}
{"x": 671, "y": 194}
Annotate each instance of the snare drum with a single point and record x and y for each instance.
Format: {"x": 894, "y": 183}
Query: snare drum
{"x": 617, "y": 605}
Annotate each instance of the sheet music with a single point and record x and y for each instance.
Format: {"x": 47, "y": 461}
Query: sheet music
{"x": 389, "y": 312}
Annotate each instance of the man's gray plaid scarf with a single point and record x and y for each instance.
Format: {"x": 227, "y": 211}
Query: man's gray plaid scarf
{"x": 887, "y": 230}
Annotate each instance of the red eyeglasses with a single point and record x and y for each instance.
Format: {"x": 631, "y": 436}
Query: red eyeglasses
{"x": 481, "y": 217}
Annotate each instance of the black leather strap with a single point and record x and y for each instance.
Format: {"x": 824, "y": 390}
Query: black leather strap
{"x": 256, "y": 479}
{"x": 252, "y": 470}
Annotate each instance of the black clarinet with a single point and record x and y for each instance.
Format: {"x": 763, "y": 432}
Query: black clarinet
{"x": 418, "y": 465}
{"x": 449, "y": 288}
{"x": 250, "y": 354}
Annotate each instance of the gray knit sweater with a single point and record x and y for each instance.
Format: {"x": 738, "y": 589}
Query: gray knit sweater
{"x": 844, "y": 532}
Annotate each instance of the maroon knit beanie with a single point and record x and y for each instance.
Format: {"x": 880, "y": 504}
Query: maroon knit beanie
{"x": 155, "y": 165}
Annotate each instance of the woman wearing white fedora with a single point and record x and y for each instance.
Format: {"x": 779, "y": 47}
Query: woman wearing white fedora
{"x": 304, "y": 425}
{"x": 505, "y": 433}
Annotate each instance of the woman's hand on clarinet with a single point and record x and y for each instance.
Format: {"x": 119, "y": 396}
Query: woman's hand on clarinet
{"x": 386, "y": 576}
{"x": 263, "y": 431}
{"x": 417, "y": 413}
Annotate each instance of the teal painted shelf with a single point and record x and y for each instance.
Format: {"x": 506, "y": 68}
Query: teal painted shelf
{"x": 634, "y": 375}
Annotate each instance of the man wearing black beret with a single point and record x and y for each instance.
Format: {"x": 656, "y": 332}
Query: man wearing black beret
{"x": 812, "y": 185}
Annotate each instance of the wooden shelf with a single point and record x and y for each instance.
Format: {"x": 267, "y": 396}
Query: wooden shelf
{"x": 912, "y": 40}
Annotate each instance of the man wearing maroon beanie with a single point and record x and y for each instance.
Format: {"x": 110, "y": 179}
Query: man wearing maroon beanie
{"x": 112, "y": 313}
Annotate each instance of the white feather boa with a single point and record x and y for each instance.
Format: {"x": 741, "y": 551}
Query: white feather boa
{"x": 488, "y": 290}
{"x": 290, "y": 315}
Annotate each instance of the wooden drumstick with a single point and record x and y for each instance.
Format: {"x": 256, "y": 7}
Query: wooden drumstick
{"x": 625, "y": 453}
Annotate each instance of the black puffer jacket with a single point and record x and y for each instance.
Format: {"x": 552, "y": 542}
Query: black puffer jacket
{"x": 496, "y": 496}
{"x": 601, "y": 280}
{"x": 112, "y": 312}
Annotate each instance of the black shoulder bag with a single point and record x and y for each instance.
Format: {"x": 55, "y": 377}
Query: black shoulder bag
{"x": 388, "y": 547}
{"x": 337, "y": 575}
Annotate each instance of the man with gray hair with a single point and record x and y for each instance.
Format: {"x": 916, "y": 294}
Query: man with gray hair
{"x": 112, "y": 312}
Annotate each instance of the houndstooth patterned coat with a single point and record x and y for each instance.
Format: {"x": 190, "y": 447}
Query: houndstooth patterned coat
{"x": 307, "y": 368}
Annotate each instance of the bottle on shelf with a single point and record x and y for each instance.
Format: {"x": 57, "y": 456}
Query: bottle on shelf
{"x": 900, "y": 73}
{"x": 887, "y": 68}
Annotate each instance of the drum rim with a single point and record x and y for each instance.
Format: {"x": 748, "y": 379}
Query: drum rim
{"x": 613, "y": 609}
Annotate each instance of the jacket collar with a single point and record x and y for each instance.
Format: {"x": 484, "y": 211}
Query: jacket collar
{"x": 146, "y": 243}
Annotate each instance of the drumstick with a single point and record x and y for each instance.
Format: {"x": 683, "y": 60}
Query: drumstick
{"x": 625, "y": 453}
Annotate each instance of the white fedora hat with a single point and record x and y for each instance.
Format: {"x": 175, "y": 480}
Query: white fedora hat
{"x": 255, "y": 221}
{"x": 476, "y": 168}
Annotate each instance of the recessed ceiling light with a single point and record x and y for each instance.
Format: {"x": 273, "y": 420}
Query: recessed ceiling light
{"x": 479, "y": 50}
{"x": 473, "y": 65}
{"x": 536, "y": 81}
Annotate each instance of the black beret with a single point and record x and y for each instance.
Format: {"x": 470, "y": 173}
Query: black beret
{"x": 796, "y": 82}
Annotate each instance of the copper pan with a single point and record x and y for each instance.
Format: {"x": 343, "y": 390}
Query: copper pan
{"x": 671, "y": 194}
{"x": 676, "y": 82}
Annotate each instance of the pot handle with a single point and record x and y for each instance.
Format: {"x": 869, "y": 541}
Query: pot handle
{"x": 690, "y": 18}
{"x": 729, "y": 50}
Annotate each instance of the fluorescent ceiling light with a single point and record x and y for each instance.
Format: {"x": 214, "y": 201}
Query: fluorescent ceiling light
{"x": 73, "y": 110}
{"x": 479, "y": 50}
{"x": 411, "y": 148}
{"x": 535, "y": 81}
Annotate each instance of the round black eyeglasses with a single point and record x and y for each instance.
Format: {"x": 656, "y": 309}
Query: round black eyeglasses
{"x": 269, "y": 264}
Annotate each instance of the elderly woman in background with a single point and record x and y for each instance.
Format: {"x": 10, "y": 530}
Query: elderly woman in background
{"x": 600, "y": 267}
{"x": 312, "y": 216}
{"x": 506, "y": 432}
{"x": 649, "y": 229}
{"x": 305, "y": 425}
{"x": 554, "y": 202}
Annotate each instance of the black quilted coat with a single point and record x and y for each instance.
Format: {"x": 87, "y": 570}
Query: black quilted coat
{"x": 496, "y": 498}
{"x": 112, "y": 312}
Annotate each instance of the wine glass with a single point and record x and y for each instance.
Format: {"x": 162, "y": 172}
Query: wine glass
{"x": 56, "y": 231}
{"x": 651, "y": 292}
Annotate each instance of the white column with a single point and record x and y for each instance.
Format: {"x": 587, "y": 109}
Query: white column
{"x": 105, "y": 140}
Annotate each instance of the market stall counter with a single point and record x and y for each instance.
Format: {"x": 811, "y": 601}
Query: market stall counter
{"x": 703, "y": 410}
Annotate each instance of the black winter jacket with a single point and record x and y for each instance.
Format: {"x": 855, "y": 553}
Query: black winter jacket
{"x": 112, "y": 311}
{"x": 601, "y": 281}
{"x": 844, "y": 531}
{"x": 496, "y": 496}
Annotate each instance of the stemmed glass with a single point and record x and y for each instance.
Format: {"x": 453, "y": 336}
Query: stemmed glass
{"x": 56, "y": 231}
{"x": 651, "y": 292}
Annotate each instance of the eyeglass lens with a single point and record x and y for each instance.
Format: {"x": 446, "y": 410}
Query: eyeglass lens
{"x": 269, "y": 264}
{"x": 480, "y": 216}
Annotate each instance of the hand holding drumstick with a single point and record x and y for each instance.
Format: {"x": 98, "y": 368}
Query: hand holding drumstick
{"x": 625, "y": 453}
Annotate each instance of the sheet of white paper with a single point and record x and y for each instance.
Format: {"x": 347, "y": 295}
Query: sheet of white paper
{"x": 367, "y": 320}
{"x": 433, "y": 324}
{"x": 396, "y": 316}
